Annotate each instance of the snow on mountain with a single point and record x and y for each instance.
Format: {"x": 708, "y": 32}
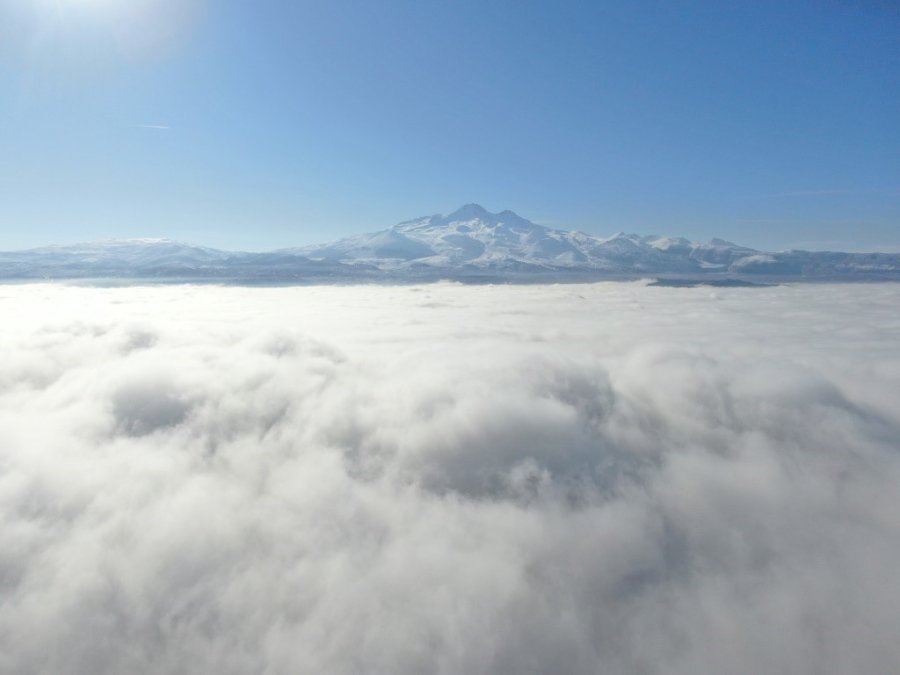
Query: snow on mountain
{"x": 114, "y": 257}
{"x": 160, "y": 258}
{"x": 668, "y": 243}
{"x": 471, "y": 241}
{"x": 125, "y": 251}
{"x": 473, "y": 237}
{"x": 469, "y": 236}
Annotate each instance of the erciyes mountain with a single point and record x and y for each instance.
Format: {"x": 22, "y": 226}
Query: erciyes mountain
{"x": 470, "y": 243}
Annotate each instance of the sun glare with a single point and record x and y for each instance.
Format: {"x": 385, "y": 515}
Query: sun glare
{"x": 141, "y": 29}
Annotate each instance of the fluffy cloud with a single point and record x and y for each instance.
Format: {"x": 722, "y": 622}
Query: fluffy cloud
{"x": 511, "y": 479}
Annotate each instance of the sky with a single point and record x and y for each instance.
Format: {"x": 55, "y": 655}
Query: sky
{"x": 261, "y": 125}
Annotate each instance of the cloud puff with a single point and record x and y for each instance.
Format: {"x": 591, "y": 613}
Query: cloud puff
{"x": 510, "y": 479}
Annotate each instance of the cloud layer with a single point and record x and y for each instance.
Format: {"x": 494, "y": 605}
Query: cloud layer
{"x": 512, "y": 479}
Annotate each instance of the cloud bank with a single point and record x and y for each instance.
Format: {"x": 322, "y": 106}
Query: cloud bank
{"x": 593, "y": 478}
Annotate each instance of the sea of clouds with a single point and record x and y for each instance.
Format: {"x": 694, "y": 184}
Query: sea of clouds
{"x": 603, "y": 478}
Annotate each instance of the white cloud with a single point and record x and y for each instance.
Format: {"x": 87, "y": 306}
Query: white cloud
{"x": 598, "y": 478}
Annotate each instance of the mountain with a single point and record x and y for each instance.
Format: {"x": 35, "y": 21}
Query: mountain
{"x": 471, "y": 239}
{"x": 163, "y": 259}
{"x": 469, "y": 243}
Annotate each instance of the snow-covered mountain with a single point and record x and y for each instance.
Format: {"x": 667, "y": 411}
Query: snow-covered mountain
{"x": 124, "y": 253}
{"x": 469, "y": 243}
{"x": 163, "y": 258}
{"x": 472, "y": 238}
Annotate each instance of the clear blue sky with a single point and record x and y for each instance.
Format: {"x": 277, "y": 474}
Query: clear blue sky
{"x": 256, "y": 125}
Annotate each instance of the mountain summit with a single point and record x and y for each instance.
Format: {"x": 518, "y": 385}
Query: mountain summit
{"x": 469, "y": 212}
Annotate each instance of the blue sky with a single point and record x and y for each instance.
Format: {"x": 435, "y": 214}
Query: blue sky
{"x": 256, "y": 125}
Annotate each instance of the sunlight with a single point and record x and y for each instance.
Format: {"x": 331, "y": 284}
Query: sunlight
{"x": 141, "y": 29}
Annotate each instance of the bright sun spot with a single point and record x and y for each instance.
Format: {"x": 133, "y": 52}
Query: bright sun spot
{"x": 141, "y": 29}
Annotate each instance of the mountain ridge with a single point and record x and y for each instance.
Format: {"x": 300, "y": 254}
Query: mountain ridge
{"x": 468, "y": 242}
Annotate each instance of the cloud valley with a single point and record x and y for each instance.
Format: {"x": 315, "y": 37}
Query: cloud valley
{"x": 606, "y": 477}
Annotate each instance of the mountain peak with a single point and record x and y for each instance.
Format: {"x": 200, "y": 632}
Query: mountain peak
{"x": 468, "y": 212}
